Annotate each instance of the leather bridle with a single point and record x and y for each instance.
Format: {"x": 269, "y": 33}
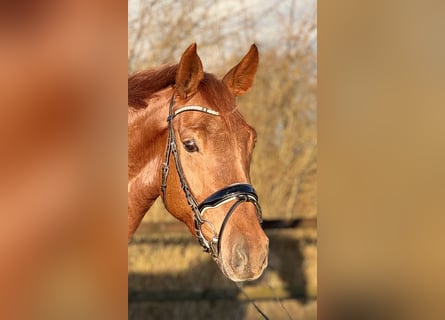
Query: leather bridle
{"x": 240, "y": 192}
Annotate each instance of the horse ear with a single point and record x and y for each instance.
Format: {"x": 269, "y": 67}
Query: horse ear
{"x": 190, "y": 72}
{"x": 240, "y": 78}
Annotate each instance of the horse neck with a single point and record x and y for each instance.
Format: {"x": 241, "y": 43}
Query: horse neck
{"x": 147, "y": 135}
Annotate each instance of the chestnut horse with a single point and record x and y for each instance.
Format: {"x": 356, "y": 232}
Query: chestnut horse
{"x": 189, "y": 144}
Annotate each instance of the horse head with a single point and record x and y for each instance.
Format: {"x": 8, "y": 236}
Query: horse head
{"x": 205, "y": 167}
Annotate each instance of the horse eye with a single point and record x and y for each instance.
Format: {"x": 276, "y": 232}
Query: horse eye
{"x": 190, "y": 146}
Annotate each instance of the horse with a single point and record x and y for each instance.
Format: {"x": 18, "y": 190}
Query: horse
{"x": 189, "y": 144}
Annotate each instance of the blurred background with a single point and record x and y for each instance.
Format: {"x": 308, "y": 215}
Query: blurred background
{"x": 63, "y": 142}
{"x": 169, "y": 276}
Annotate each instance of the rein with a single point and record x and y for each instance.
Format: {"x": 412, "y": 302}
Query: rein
{"x": 241, "y": 192}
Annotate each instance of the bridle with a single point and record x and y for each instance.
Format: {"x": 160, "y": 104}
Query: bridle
{"x": 241, "y": 192}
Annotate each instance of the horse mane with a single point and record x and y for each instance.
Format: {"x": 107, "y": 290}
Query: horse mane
{"x": 142, "y": 85}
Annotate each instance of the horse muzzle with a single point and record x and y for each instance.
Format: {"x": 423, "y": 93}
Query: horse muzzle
{"x": 239, "y": 192}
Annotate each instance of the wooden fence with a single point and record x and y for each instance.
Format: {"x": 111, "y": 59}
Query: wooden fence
{"x": 171, "y": 278}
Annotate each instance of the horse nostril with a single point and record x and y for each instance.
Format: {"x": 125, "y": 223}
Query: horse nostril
{"x": 239, "y": 258}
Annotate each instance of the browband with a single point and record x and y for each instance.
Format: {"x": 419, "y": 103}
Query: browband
{"x": 196, "y": 108}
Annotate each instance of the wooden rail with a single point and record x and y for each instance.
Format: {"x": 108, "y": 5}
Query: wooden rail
{"x": 255, "y": 293}
{"x": 178, "y": 227}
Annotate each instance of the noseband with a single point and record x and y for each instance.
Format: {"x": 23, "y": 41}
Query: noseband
{"x": 240, "y": 192}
